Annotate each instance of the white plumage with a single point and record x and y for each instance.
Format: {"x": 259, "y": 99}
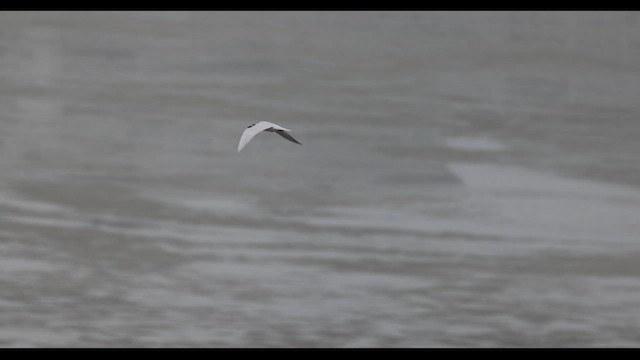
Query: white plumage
{"x": 255, "y": 129}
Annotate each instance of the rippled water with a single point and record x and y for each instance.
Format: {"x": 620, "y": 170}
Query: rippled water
{"x": 466, "y": 179}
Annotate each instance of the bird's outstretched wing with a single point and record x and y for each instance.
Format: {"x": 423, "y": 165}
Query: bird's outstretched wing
{"x": 252, "y": 131}
{"x": 286, "y": 135}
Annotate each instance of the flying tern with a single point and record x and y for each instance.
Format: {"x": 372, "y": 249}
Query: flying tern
{"x": 254, "y": 129}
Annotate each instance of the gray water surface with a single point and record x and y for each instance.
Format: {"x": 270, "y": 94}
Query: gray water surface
{"x": 467, "y": 179}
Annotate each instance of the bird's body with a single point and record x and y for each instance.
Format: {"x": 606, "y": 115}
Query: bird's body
{"x": 254, "y": 129}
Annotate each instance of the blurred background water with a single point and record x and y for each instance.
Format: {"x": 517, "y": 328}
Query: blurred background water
{"x": 467, "y": 179}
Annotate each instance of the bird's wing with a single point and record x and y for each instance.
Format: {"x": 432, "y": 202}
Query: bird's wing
{"x": 252, "y": 131}
{"x": 286, "y": 135}
{"x": 274, "y": 126}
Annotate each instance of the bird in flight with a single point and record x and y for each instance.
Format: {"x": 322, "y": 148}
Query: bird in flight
{"x": 253, "y": 130}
